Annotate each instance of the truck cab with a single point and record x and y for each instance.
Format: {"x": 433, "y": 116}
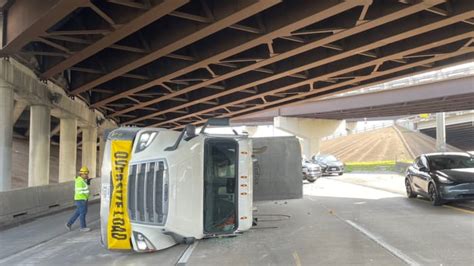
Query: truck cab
{"x": 181, "y": 186}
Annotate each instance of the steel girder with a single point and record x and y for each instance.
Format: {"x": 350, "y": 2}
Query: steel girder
{"x": 386, "y": 15}
{"x": 373, "y": 45}
{"x": 298, "y": 16}
{"x": 180, "y": 38}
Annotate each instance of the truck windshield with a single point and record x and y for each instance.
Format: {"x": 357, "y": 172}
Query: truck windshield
{"x": 220, "y": 175}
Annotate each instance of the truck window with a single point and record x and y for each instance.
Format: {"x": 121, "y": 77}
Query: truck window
{"x": 220, "y": 193}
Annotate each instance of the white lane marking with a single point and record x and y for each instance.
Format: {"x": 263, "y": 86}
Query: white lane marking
{"x": 187, "y": 254}
{"x": 405, "y": 258}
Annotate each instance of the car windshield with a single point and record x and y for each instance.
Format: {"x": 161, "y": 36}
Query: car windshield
{"x": 444, "y": 162}
{"x": 327, "y": 158}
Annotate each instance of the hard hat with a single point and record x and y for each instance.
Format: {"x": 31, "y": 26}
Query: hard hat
{"x": 84, "y": 170}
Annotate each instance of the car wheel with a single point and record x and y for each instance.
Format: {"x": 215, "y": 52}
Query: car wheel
{"x": 434, "y": 196}
{"x": 311, "y": 180}
{"x": 410, "y": 192}
{"x": 340, "y": 173}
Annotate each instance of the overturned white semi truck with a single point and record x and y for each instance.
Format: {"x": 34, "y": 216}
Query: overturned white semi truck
{"x": 161, "y": 187}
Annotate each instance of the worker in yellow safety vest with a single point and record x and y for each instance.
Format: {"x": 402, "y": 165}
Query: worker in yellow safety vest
{"x": 81, "y": 196}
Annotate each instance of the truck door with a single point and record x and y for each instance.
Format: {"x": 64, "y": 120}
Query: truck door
{"x": 220, "y": 191}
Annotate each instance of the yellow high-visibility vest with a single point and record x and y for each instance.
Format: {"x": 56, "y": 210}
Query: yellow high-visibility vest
{"x": 81, "y": 189}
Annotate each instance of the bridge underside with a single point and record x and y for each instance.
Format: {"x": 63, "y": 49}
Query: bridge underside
{"x": 170, "y": 63}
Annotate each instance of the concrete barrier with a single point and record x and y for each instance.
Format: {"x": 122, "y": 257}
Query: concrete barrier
{"x": 27, "y": 203}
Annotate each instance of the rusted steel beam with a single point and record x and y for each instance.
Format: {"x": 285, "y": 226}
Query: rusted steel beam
{"x": 318, "y": 43}
{"x": 300, "y": 16}
{"x": 78, "y": 32}
{"x": 421, "y": 48}
{"x": 281, "y": 103}
{"x": 370, "y": 44}
{"x": 27, "y": 20}
{"x": 129, "y": 3}
{"x": 141, "y": 21}
{"x": 378, "y": 74}
{"x": 182, "y": 38}
{"x": 84, "y": 41}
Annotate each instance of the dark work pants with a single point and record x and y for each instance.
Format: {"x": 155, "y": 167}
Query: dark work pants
{"x": 81, "y": 211}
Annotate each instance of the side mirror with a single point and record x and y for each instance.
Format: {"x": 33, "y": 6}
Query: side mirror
{"x": 423, "y": 169}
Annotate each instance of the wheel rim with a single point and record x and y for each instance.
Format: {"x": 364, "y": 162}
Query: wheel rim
{"x": 408, "y": 187}
{"x": 432, "y": 193}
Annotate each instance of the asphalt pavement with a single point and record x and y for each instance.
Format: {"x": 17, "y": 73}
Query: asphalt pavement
{"x": 338, "y": 222}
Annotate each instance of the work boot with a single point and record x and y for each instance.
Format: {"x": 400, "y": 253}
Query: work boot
{"x": 85, "y": 229}
{"x": 68, "y": 226}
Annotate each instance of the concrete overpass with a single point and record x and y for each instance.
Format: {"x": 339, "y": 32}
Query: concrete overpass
{"x": 229, "y": 58}
{"x": 441, "y": 96}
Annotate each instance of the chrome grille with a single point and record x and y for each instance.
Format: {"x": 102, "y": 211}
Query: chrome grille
{"x": 148, "y": 192}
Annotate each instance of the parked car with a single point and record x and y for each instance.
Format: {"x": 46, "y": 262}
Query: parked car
{"x": 442, "y": 177}
{"x": 329, "y": 164}
{"x": 311, "y": 171}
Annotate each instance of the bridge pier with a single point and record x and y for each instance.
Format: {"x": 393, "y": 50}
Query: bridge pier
{"x": 67, "y": 149}
{"x": 440, "y": 132}
{"x": 6, "y": 134}
{"x": 40, "y": 129}
{"x": 310, "y": 131}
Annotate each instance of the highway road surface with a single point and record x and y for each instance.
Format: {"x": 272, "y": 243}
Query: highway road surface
{"x": 340, "y": 221}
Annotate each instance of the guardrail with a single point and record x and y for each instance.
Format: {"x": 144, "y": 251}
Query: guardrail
{"x": 22, "y": 204}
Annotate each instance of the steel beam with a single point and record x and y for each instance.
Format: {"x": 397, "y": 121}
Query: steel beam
{"x": 27, "y": 20}
{"x": 139, "y": 22}
{"x": 182, "y": 38}
{"x": 332, "y": 87}
{"x": 335, "y": 86}
{"x": 300, "y": 17}
{"x": 318, "y": 43}
{"x": 372, "y": 44}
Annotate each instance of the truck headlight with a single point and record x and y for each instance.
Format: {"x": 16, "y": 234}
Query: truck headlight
{"x": 145, "y": 139}
{"x": 143, "y": 244}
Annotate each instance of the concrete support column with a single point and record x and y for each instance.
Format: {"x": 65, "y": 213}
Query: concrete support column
{"x": 67, "y": 149}
{"x": 6, "y": 133}
{"x": 40, "y": 128}
{"x": 89, "y": 149}
{"x": 310, "y": 131}
{"x": 440, "y": 132}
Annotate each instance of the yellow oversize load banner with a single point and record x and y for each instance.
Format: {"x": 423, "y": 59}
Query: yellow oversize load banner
{"x": 118, "y": 226}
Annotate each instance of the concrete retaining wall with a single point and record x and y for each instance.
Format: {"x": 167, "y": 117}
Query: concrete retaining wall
{"x": 277, "y": 174}
{"x": 23, "y": 204}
